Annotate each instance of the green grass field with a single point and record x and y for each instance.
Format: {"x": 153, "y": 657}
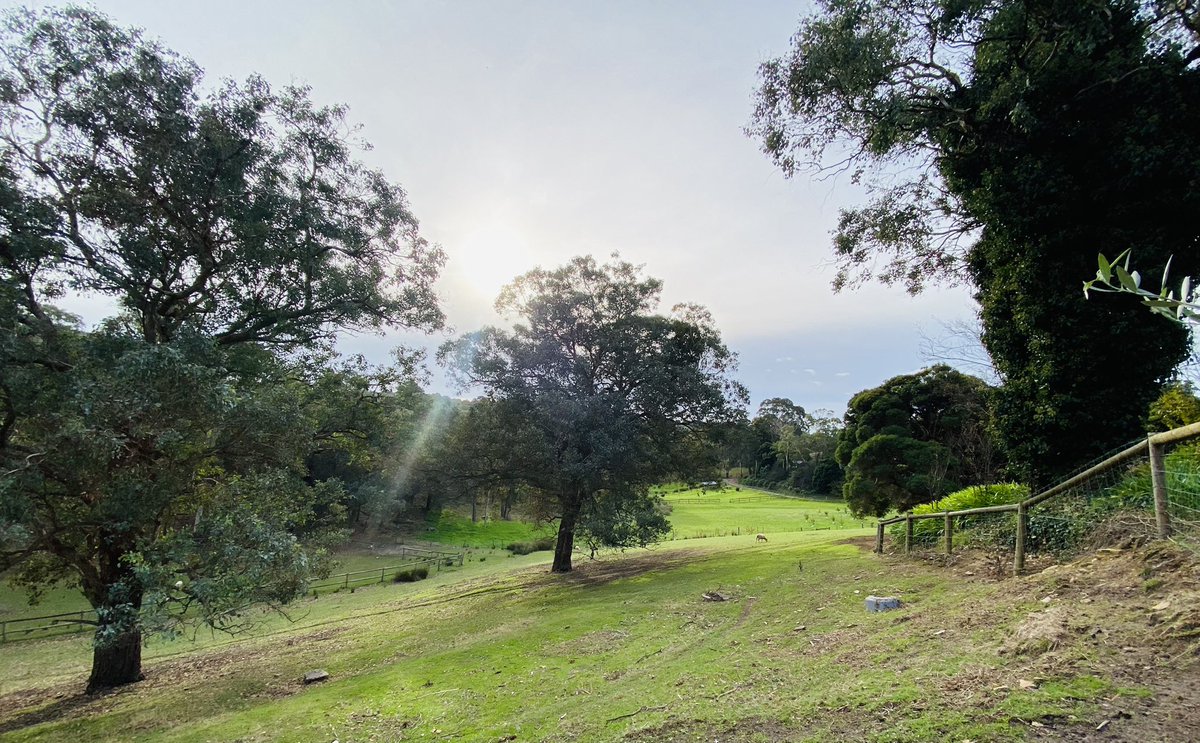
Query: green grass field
{"x": 625, "y": 648}
{"x": 732, "y": 512}
{"x": 716, "y": 517}
{"x": 455, "y": 530}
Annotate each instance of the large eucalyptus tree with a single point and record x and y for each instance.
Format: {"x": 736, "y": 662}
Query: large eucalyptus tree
{"x": 157, "y": 459}
{"x": 609, "y": 387}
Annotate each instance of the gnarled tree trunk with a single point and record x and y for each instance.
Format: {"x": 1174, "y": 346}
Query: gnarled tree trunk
{"x": 116, "y": 661}
{"x": 565, "y": 544}
{"x": 117, "y": 595}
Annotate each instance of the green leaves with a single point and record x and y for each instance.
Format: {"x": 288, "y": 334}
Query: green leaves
{"x": 1180, "y": 306}
{"x": 241, "y": 213}
{"x": 238, "y": 232}
{"x": 915, "y": 438}
{"x": 609, "y": 387}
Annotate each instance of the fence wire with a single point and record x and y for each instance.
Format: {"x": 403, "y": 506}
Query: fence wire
{"x": 992, "y": 534}
{"x": 1107, "y": 507}
{"x": 1181, "y": 467}
{"x": 1110, "y": 502}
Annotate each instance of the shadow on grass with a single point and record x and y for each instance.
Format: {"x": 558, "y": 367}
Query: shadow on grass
{"x": 56, "y": 710}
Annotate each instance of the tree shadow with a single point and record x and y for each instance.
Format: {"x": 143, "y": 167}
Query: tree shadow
{"x": 56, "y": 710}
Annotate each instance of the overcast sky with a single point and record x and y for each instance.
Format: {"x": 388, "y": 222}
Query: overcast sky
{"x": 529, "y": 132}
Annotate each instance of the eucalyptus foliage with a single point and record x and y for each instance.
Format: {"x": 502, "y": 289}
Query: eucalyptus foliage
{"x": 158, "y": 459}
{"x": 608, "y": 387}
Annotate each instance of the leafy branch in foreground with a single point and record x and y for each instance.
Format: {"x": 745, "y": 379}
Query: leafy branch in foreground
{"x": 1117, "y": 277}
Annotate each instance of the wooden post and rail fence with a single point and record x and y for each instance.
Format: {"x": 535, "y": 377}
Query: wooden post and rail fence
{"x": 1154, "y": 446}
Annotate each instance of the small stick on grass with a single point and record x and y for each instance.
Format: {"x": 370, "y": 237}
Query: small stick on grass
{"x": 639, "y": 711}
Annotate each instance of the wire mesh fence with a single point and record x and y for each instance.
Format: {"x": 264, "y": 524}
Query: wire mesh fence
{"x": 992, "y": 534}
{"x": 1149, "y": 489}
{"x": 1181, "y": 472}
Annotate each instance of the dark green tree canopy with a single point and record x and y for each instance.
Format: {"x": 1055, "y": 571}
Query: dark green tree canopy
{"x": 915, "y": 438}
{"x": 158, "y": 459}
{"x": 780, "y": 413}
{"x": 610, "y": 386}
{"x": 1004, "y": 145}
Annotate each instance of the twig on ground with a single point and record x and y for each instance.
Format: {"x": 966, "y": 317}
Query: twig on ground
{"x": 638, "y": 711}
{"x": 731, "y": 689}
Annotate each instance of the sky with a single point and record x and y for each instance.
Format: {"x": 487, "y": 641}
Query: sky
{"x": 526, "y": 133}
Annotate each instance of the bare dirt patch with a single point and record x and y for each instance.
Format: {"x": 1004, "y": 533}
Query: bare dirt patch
{"x": 599, "y": 572}
{"x": 742, "y": 731}
{"x": 1130, "y": 615}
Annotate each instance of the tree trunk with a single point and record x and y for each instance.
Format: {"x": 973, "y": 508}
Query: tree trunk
{"x": 116, "y": 662}
{"x": 474, "y": 508}
{"x": 116, "y": 594}
{"x": 506, "y": 504}
{"x": 565, "y": 544}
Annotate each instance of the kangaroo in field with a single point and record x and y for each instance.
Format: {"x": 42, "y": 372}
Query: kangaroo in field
{"x": 761, "y": 538}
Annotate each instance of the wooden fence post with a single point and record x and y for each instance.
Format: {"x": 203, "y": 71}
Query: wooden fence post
{"x": 1158, "y": 475}
{"x": 949, "y": 529}
{"x": 879, "y": 538}
{"x": 908, "y": 533}
{"x": 1019, "y": 549}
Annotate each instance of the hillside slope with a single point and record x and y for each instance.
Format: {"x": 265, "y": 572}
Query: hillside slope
{"x": 627, "y": 648}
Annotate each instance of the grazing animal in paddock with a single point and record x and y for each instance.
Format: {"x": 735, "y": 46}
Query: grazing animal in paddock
{"x": 761, "y": 538}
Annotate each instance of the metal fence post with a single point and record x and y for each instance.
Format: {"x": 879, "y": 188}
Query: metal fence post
{"x": 1019, "y": 548}
{"x": 949, "y": 529}
{"x": 908, "y": 533}
{"x": 1158, "y": 475}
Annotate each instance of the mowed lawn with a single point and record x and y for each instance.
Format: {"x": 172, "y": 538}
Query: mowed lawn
{"x": 696, "y": 513}
{"x": 625, "y": 648}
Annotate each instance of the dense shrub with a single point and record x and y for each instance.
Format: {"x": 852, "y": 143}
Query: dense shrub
{"x": 410, "y": 575}
{"x": 976, "y": 496}
{"x": 537, "y": 545}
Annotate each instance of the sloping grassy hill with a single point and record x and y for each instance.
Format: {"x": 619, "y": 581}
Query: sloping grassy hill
{"x": 695, "y": 513}
{"x": 627, "y": 648}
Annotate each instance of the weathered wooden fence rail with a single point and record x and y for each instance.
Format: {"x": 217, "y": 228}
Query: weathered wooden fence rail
{"x": 1154, "y": 447}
